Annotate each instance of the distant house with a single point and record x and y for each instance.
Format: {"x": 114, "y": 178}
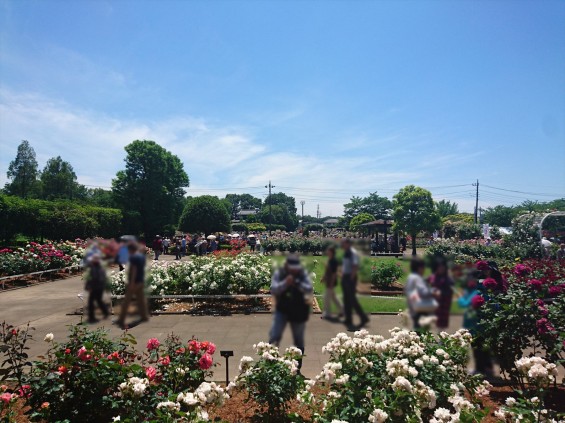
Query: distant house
{"x": 331, "y": 223}
{"x": 242, "y": 214}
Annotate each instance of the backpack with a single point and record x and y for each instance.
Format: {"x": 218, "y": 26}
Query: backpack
{"x": 293, "y": 303}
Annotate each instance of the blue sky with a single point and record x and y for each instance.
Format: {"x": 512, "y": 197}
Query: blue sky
{"x": 326, "y": 99}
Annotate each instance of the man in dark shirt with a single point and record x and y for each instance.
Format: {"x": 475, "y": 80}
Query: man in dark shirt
{"x": 95, "y": 285}
{"x": 135, "y": 285}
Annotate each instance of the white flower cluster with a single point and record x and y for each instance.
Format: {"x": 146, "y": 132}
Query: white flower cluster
{"x": 208, "y": 275}
{"x": 537, "y": 370}
{"x": 528, "y": 410}
{"x": 208, "y": 393}
{"x": 135, "y": 387}
{"x": 412, "y": 365}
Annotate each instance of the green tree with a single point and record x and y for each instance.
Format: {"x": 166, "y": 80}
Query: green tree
{"x": 205, "y": 214}
{"x": 358, "y": 220}
{"x": 100, "y": 197}
{"x": 500, "y": 215}
{"x": 414, "y": 210}
{"x": 23, "y": 171}
{"x": 375, "y": 205}
{"x": 446, "y": 208}
{"x": 281, "y": 198}
{"x": 58, "y": 179}
{"x": 242, "y": 202}
{"x": 281, "y": 216}
{"x": 150, "y": 189}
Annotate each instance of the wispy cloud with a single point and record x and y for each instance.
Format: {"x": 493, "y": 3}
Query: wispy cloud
{"x": 214, "y": 156}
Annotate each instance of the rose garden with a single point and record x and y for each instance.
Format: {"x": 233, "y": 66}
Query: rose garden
{"x": 403, "y": 377}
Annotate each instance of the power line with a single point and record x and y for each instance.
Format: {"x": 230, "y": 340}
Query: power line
{"x": 523, "y": 192}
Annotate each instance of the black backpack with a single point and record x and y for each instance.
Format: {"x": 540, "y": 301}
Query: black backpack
{"x": 293, "y": 303}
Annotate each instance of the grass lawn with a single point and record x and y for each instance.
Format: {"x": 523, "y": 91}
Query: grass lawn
{"x": 369, "y": 304}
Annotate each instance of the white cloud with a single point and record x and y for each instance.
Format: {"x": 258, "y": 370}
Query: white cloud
{"x": 214, "y": 156}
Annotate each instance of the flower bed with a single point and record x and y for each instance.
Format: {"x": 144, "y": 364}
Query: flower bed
{"x": 207, "y": 275}
{"x": 408, "y": 377}
{"x": 36, "y": 257}
{"x": 526, "y": 311}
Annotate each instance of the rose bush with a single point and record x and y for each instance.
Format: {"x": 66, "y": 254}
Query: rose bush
{"x": 407, "y": 377}
{"x": 91, "y": 378}
{"x": 384, "y": 273}
{"x": 207, "y": 275}
{"x": 271, "y": 382}
{"x": 526, "y": 312}
{"x": 35, "y": 257}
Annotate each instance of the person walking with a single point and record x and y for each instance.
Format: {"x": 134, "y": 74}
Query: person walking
{"x": 122, "y": 257}
{"x": 178, "y": 249}
{"x": 252, "y": 241}
{"x": 166, "y": 245}
{"x": 157, "y": 246}
{"x": 419, "y": 295}
{"x": 95, "y": 284}
{"x": 330, "y": 280}
{"x": 183, "y": 246}
{"x": 442, "y": 285}
{"x": 135, "y": 285}
{"x": 350, "y": 268}
{"x": 292, "y": 288}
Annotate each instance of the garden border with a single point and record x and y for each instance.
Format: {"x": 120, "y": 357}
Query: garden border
{"x": 41, "y": 272}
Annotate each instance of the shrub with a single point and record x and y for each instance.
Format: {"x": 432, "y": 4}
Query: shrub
{"x": 526, "y": 312}
{"x": 385, "y": 272}
{"x": 271, "y": 382}
{"x": 91, "y": 378}
{"x": 207, "y": 275}
{"x": 408, "y": 377}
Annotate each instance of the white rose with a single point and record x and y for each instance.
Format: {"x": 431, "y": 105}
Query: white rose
{"x": 49, "y": 337}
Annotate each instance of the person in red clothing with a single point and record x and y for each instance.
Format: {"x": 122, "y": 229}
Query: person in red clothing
{"x": 157, "y": 246}
{"x": 442, "y": 284}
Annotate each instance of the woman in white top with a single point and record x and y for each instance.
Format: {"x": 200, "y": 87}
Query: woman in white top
{"x": 417, "y": 291}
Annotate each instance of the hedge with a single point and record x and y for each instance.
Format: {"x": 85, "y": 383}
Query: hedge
{"x": 56, "y": 219}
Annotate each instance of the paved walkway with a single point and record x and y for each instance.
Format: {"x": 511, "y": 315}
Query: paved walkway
{"x": 47, "y": 306}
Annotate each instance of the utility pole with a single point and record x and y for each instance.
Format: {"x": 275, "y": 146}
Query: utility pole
{"x": 476, "y": 202}
{"x": 270, "y": 186}
{"x": 302, "y": 204}
{"x": 318, "y": 212}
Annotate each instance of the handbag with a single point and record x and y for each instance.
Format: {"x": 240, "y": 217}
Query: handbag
{"x": 422, "y": 305}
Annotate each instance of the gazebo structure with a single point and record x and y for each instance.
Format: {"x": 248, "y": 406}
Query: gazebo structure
{"x": 379, "y": 226}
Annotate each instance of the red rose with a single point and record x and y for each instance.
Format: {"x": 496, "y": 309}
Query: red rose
{"x": 477, "y": 301}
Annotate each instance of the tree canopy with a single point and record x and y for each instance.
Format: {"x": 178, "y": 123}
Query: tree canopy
{"x": 205, "y": 214}
{"x": 447, "y": 208}
{"x": 375, "y": 205}
{"x": 414, "y": 210}
{"x": 358, "y": 220}
{"x": 58, "y": 180}
{"x": 23, "y": 171}
{"x": 241, "y": 202}
{"x": 150, "y": 189}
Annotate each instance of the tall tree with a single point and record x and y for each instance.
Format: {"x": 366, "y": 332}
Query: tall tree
{"x": 281, "y": 198}
{"x": 500, "y": 215}
{"x": 23, "y": 171}
{"x": 413, "y": 210}
{"x": 373, "y": 204}
{"x": 242, "y": 202}
{"x": 150, "y": 189}
{"x": 205, "y": 214}
{"x": 447, "y": 208}
{"x": 58, "y": 179}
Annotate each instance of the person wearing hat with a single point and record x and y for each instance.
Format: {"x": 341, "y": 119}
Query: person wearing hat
{"x": 95, "y": 285}
{"x": 291, "y": 286}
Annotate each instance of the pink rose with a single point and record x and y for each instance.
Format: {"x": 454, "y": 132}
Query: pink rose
{"x": 205, "y": 361}
{"x": 482, "y": 265}
{"x": 193, "y": 345}
{"x": 153, "y": 344}
{"x": 6, "y": 397}
{"x": 165, "y": 361}
{"x": 554, "y": 291}
{"x": 151, "y": 373}
{"x": 477, "y": 301}
{"x": 490, "y": 284}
